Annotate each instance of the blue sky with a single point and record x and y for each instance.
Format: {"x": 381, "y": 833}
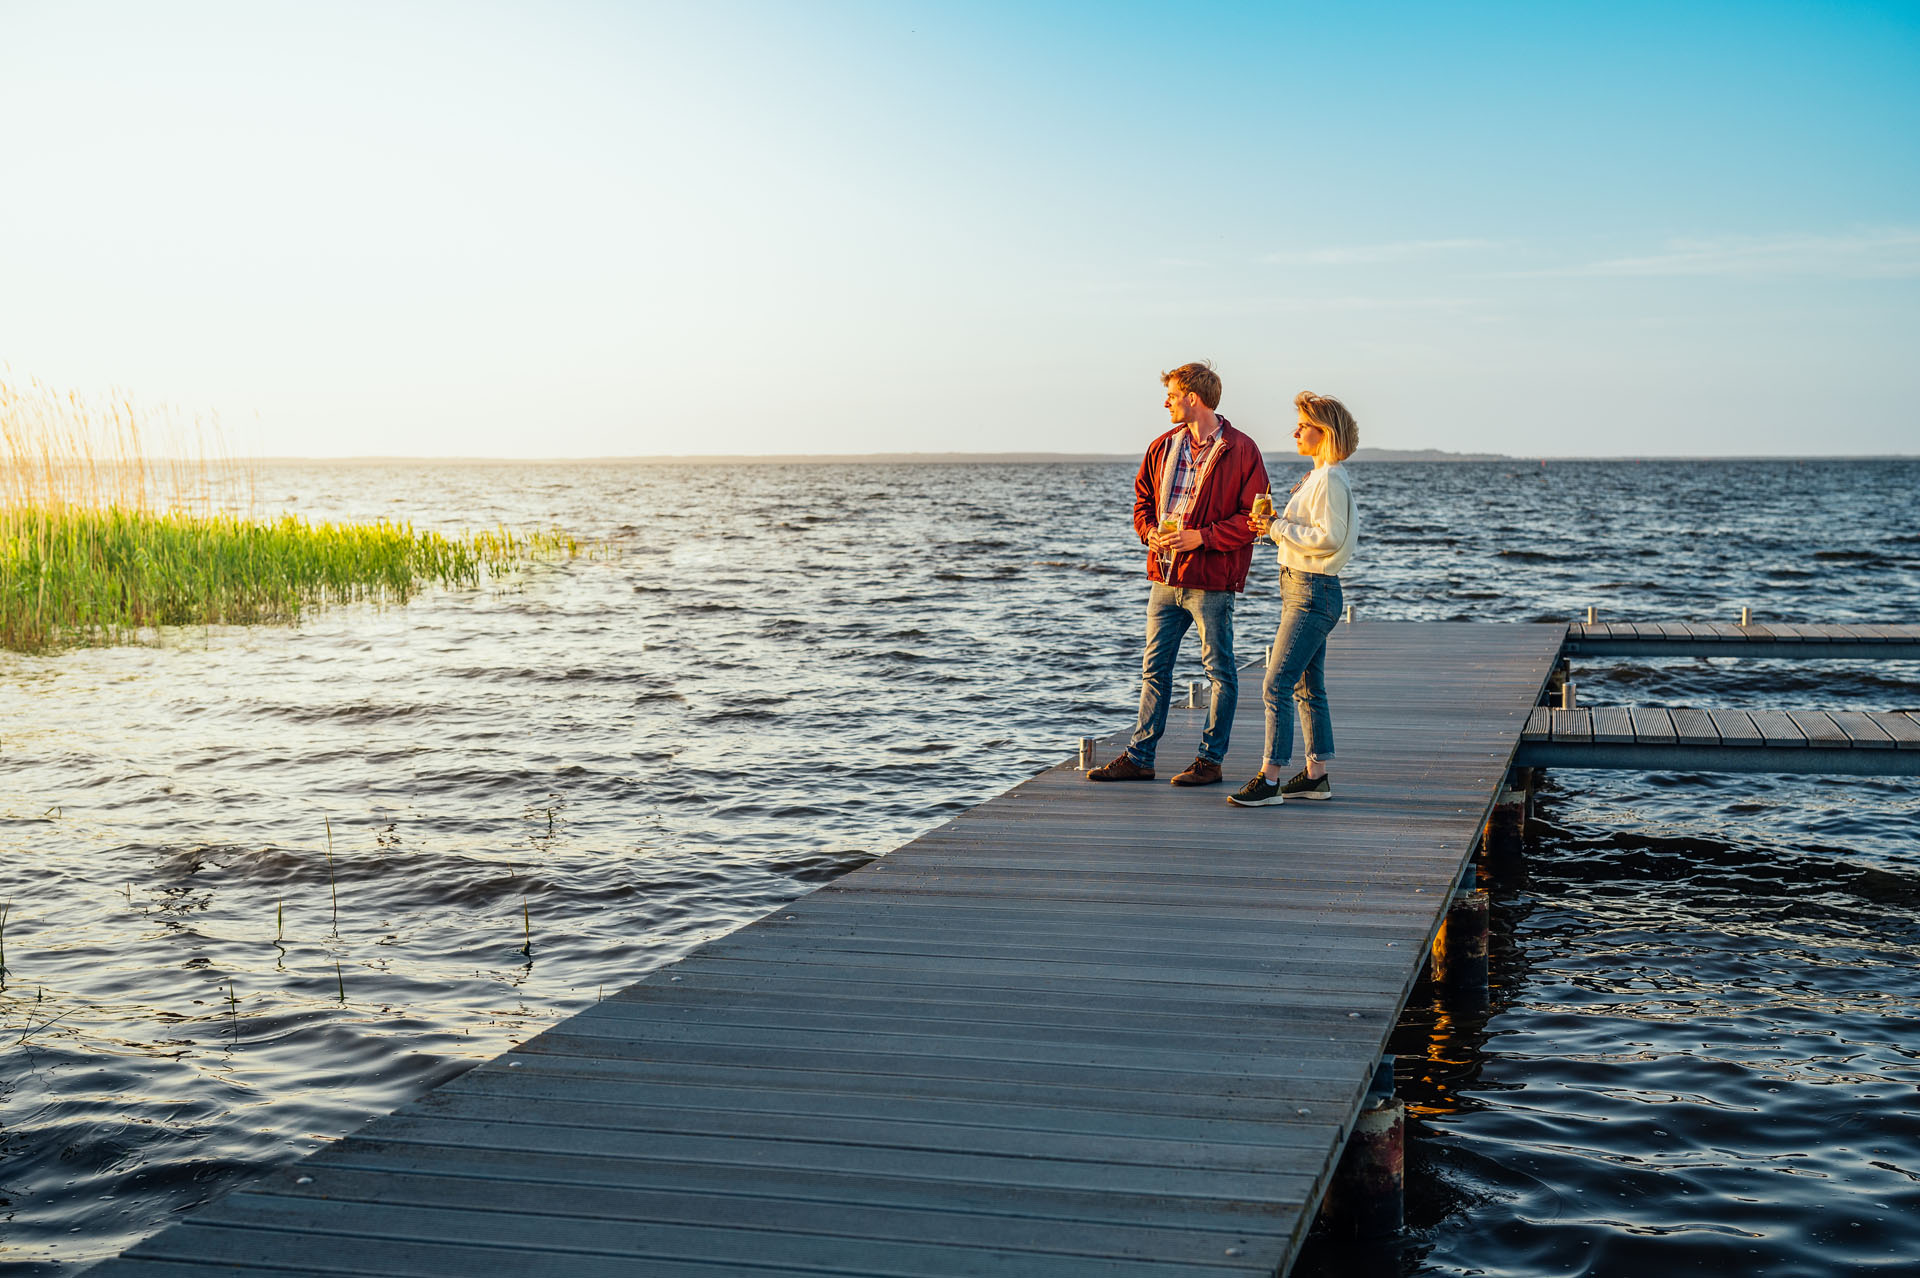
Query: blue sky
{"x": 627, "y": 229}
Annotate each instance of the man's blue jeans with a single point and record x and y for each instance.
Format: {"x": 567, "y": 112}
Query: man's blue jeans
{"x": 1170, "y": 612}
{"x": 1309, "y": 607}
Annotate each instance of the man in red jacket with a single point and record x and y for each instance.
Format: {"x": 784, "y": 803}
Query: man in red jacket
{"x": 1205, "y": 474}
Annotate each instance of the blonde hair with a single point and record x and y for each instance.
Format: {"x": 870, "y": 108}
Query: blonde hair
{"x": 1340, "y": 434}
{"x": 1198, "y": 378}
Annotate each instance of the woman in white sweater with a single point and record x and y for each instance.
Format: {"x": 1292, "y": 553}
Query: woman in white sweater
{"x": 1315, "y": 535}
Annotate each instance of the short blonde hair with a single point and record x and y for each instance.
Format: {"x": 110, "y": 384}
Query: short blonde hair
{"x": 1198, "y": 378}
{"x": 1340, "y": 434}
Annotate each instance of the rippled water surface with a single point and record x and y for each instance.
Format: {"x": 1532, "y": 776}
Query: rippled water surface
{"x": 264, "y": 883}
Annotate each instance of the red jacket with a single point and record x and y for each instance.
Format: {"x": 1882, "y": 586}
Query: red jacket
{"x": 1235, "y": 474}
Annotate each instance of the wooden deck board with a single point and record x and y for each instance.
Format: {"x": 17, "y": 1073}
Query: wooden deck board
{"x": 1653, "y": 726}
{"x": 1735, "y": 727}
{"x": 1777, "y": 728}
{"x": 1693, "y": 727}
{"x": 1083, "y": 1028}
{"x": 922, "y": 1221}
{"x": 1820, "y": 730}
{"x": 1902, "y": 728}
{"x": 1862, "y": 729}
{"x": 1612, "y": 724}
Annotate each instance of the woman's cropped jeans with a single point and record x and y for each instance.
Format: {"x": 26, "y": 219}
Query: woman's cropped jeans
{"x": 1310, "y": 604}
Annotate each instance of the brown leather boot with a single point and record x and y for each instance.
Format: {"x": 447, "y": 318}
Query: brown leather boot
{"x": 1200, "y": 772}
{"x": 1121, "y": 769}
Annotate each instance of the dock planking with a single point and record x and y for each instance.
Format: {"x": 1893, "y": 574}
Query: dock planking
{"x": 1080, "y": 1029}
{"x": 1644, "y": 739}
{"x": 1797, "y": 642}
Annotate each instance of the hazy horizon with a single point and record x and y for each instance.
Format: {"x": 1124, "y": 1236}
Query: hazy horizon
{"x": 1392, "y": 455}
{"x": 595, "y": 230}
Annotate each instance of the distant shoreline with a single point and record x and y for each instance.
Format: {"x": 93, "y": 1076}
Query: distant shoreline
{"x": 980, "y": 459}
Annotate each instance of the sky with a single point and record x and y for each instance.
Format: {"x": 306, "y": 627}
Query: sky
{"x": 625, "y": 229}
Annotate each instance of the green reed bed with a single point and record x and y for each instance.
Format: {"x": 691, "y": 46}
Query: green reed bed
{"x": 103, "y": 535}
{"x": 79, "y": 575}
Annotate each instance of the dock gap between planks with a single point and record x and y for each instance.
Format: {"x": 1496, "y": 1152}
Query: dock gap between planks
{"x": 1080, "y": 1029}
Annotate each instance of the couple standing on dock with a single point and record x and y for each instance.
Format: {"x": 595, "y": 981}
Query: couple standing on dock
{"x": 1197, "y": 504}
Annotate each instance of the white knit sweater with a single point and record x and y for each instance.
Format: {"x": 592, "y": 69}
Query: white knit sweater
{"x": 1316, "y": 532}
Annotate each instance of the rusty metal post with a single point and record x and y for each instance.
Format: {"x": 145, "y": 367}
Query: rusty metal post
{"x": 1366, "y": 1200}
{"x": 1460, "y": 951}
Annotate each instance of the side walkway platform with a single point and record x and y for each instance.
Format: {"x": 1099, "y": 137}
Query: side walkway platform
{"x": 1793, "y": 641}
{"x": 1656, "y": 739}
{"x": 1079, "y": 1030}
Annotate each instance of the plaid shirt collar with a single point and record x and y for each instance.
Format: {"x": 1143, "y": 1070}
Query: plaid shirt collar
{"x": 1188, "y": 462}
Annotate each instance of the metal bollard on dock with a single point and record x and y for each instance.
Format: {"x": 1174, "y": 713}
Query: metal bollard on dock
{"x": 1193, "y": 694}
{"x": 1086, "y": 753}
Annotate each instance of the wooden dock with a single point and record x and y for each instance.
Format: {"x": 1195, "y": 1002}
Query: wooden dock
{"x": 1713, "y": 739}
{"x": 1082, "y": 1029}
{"x": 1691, "y": 739}
{"x": 1794, "y": 641}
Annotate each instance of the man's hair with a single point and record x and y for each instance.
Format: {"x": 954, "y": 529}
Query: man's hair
{"x": 1342, "y": 433}
{"x": 1198, "y": 378}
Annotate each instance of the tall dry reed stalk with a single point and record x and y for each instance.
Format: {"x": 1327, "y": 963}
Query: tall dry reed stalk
{"x": 101, "y": 538}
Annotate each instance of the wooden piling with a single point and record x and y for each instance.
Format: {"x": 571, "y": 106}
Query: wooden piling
{"x": 1366, "y": 1199}
{"x": 1460, "y": 952}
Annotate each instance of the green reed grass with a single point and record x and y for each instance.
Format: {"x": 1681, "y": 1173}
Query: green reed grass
{"x": 331, "y": 885}
{"x": 98, "y": 543}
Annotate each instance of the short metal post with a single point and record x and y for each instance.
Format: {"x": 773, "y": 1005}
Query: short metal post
{"x": 1593, "y": 615}
{"x": 1366, "y": 1199}
{"x": 1086, "y": 753}
{"x": 1746, "y": 615}
{"x": 1566, "y": 696}
{"x": 1460, "y": 951}
{"x": 1193, "y": 694}
{"x": 1349, "y": 614}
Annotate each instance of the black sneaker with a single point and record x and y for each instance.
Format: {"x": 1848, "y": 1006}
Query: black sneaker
{"x": 1257, "y": 793}
{"x": 1304, "y": 787}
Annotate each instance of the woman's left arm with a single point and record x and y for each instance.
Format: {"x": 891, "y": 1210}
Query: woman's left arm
{"x": 1324, "y": 526}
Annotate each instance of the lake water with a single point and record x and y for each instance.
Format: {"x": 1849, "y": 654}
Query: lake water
{"x": 265, "y": 883}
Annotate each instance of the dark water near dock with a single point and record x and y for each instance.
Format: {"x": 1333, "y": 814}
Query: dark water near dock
{"x": 1705, "y": 1043}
